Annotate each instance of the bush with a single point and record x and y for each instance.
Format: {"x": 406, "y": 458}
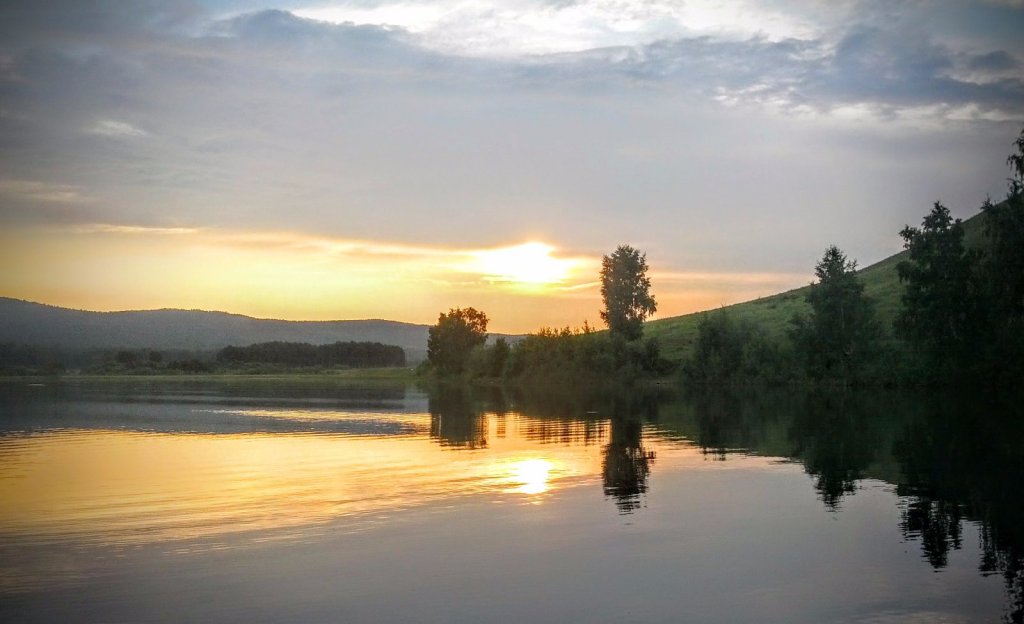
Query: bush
{"x": 728, "y": 351}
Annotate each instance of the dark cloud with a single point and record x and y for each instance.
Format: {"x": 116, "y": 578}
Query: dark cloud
{"x": 886, "y": 70}
{"x": 999, "y": 61}
{"x": 68, "y": 20}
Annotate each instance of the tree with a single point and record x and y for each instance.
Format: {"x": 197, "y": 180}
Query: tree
{"x": 497, "y": 358}
{"x": 1003, "y": 271}
{"x": 1004, "y": 226}
{"x": 451, "y": 340}
{"x": 941, "y": 303}
{"x": 839, "y": 335}
{"x": 625, "y": 289}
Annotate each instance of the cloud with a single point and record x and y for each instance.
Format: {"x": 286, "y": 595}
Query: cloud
{"x": 106, "y": 228}
{"x": 41, "y": 191}
{"x": 116, "y": 129}
{"x": 997, "y": 61}
{"x": 686, "y": 134}
{"x": 525, "y": 263}
{"x": 525, "y": 27}
{"x": 883, "y": 70}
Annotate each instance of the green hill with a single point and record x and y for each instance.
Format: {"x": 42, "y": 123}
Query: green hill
{"x": 881, "y": 283}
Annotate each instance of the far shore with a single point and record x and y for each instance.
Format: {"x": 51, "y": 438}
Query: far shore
{"x": 367, "y": 374}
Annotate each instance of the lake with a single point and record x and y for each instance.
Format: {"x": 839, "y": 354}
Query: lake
{"x": 325, "y": 501}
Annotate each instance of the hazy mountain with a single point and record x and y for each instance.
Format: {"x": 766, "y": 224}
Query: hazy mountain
{"x": 43, "y": 325}
{"x": 25, "y": 322}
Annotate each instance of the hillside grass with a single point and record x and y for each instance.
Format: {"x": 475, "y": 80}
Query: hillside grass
{"x": 677, "y": 335}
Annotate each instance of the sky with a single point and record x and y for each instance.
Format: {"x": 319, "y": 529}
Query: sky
{"x": 383, "y": 159}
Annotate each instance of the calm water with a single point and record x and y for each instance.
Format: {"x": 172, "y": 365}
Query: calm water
{"x": 298, "y": 501}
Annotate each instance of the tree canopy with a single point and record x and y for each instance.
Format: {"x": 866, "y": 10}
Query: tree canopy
{"x": 941, "y": 302}
{"x": 625, "y": 289}
{"x": 452, "y": 339}
{"x": 839, "y": 335}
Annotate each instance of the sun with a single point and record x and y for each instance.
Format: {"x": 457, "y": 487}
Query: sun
{"x": 529, "y": 264}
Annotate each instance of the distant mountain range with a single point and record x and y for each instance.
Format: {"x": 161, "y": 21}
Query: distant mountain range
{"x": 25, "y": 322}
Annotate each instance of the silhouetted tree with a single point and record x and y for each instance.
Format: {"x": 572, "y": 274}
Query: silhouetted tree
{"x": 940, "y": 314}
{"x": 1004, "y": 272}
{"x": 839, "y": 335}
{"x": 625, "y": 289}
{"x": 451, "y": 340}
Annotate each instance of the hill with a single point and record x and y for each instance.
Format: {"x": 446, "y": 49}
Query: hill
{"x": 677, "y": 334}
{"x": 36, "y": 324}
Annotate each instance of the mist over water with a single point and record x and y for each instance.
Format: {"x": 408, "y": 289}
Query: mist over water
{"x": 327, "y": 501}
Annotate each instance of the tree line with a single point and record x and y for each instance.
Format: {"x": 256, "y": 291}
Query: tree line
{"x": 961, "y": 320}
{"x": 302, "y": 354}
{"x": 961, "y": 315}
{"x": 457, "y": 343}
{"x": 27, "y": 360}
{"x": 266, "y": 357}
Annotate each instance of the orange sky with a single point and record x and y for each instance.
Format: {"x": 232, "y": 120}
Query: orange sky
{"x": 522, "y": 286}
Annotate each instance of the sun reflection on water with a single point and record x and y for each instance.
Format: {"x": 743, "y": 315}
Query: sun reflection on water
{"x": 532, "y": 475}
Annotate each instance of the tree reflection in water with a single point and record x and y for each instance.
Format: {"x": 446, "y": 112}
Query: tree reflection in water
{"x": 955, "y": 461}
{"x": 455, "y": 419}
{"x": 962, "y": 458}
{"x": 626, "y": 464}
{"x": 835, "y": 441}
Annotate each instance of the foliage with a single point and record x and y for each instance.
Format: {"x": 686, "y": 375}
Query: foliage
{"x": 489, "y": 361}
{"x": 625, "y": 290}
{"x": 1003, "y": 271}
{"x": 345, "y": 354}
{"x": 557, "y": 355}
{"x": 730, "y": 351}
{"x": 941, "y": 313}
{"x": 20, "y": 359}
{"x": 839, "y": 335}
{"x": 451, "y": 341}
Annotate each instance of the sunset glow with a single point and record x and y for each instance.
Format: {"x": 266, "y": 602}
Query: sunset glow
{"x": 529, "y": 263}
{"x": 299, "y": 276}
